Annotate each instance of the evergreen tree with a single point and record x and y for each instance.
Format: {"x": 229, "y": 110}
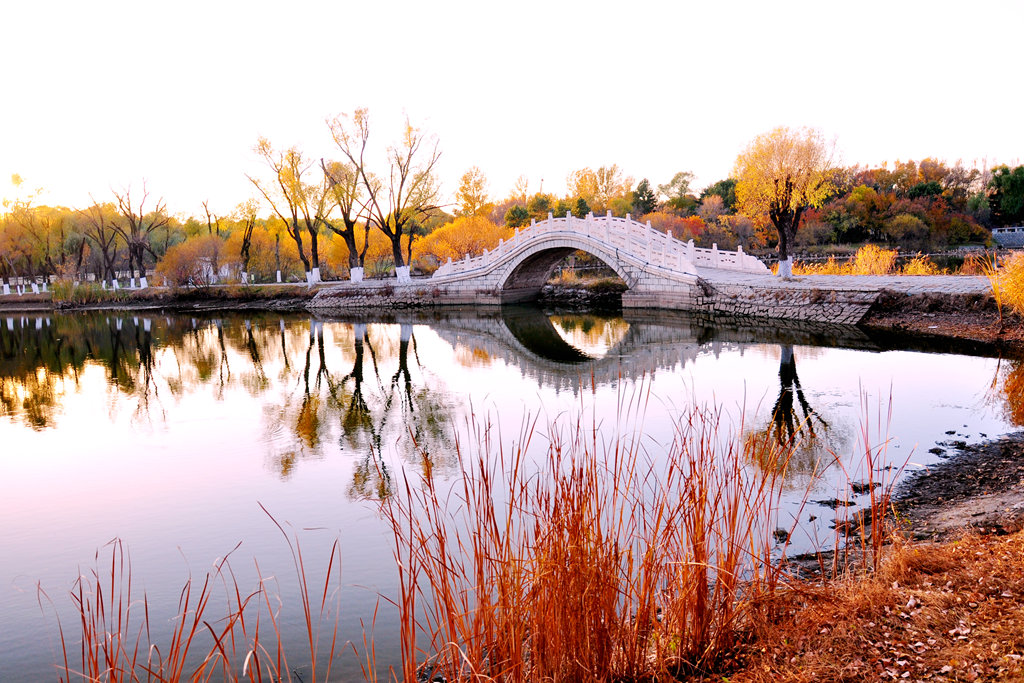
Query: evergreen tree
{"x": 644, "y": 201}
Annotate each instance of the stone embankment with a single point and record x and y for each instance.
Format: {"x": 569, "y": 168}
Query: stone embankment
{"x": 832, "y": 299}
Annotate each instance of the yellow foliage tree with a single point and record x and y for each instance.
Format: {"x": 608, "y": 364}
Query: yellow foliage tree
{"x": 472, "y": 193}
{"x": 781, "y": 174}
{"x": 603, "y": 189}
{"x": 465, "y": 236}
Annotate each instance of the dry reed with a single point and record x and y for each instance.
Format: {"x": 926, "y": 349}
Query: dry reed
{"x": 116, "y": 643}
{"x": 921, "y": 265}
{"x": 1011, "y": 281}
{"x": 869, "y": 260}
{"x": 606, "y": 563}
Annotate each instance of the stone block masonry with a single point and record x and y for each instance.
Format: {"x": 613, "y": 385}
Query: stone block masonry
{"x": 660, "y": 272}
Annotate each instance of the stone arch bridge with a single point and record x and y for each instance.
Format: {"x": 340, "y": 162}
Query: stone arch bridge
{"x": 660, "y": 272}
{"x": 657, "y": 268}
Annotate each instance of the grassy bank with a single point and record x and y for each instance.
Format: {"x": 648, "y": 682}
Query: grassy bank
{"x": 65, "y": 296}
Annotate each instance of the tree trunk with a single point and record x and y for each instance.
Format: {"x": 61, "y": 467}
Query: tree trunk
{"x": 396, "y": 248}
{"x": 786, "y": 224}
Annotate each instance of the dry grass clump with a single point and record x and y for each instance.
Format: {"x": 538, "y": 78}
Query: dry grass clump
{"x": 567, "y": 277}
{"x": 829, "y": 267}
{"x": 921, "y": 265}
{"x": 223, "y": 634}
{"x": 936, "y": 612}
{"x": 605, "y": 564}
{"x": 86, "y": 293}
{"x": 1006, "y": 281}
{"x": 873, "y": 260}
{"x": 869, "y": 260}
{"x": 1011, "y": 281}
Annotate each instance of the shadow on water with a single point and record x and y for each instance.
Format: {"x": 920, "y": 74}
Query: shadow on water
{"x": 533, "y": 329}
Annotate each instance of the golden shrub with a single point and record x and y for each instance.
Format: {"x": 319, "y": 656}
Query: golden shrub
{"x": 921, "y": 265}
{"x": 465, "y": 236}
{"x": 1010, "y": 280}
{"x": 873, "y": 260}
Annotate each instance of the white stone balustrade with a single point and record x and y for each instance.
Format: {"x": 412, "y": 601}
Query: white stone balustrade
{"x": 637, "y": 240}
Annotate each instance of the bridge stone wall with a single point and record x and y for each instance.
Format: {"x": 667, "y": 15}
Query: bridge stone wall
{"x": 840, "y": 307}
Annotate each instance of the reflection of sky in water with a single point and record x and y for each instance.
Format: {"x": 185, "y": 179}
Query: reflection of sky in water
{"x": 175, "y": 460}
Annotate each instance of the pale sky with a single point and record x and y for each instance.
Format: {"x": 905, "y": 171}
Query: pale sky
{"x": 105, "y": 94}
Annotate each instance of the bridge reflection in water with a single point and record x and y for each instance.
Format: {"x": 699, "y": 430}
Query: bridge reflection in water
{"x": 360, "y": 380}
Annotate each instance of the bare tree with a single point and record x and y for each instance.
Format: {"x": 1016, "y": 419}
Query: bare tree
{"x": 99, "y": 227}
{"x": 212, "y": 219}
{"x": 135, "y": 227}
{"x": 299, "y": 204}
{"x": 410, "y": 193}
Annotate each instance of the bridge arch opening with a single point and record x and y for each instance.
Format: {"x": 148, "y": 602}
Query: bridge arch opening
{"x": 527, "y": 279}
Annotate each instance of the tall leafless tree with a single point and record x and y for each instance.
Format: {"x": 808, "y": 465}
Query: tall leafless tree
{"x": 410, "y": 192}
{"x": 136, "y": 225}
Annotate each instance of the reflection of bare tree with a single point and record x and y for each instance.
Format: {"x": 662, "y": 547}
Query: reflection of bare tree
{"x": 385, "y": 404}
{"x": 370, "y": 479}
{"x": 39, "y": 356}
{"x": 422, "y": 413}
{"x": 307, "y": 424}
{"x": 30, "y": 372}
{"x": 788, "y": 422}
{"x": 146, "y": 384}
{"x": 794, "y": 425}
{"x": 356, "y": 418}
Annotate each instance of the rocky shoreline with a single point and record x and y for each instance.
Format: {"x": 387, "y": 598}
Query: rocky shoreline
{"x": 978, "y": 487}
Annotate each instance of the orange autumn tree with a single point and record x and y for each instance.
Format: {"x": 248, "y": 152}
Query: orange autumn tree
{"x": 682, "y": 227}
{"x": 465, "y": 236}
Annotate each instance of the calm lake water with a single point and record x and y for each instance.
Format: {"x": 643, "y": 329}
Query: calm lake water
{"x": 170, "y": 432}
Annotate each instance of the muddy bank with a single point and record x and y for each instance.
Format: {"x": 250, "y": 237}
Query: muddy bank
{"x": 977, "y": 487}
{"x": 972, "y": 317}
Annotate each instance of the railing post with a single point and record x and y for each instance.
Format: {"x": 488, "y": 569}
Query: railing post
{"x": 691, "y": 252}
{"x": 714, "y": 254}
{"x": 648, "y": 237}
